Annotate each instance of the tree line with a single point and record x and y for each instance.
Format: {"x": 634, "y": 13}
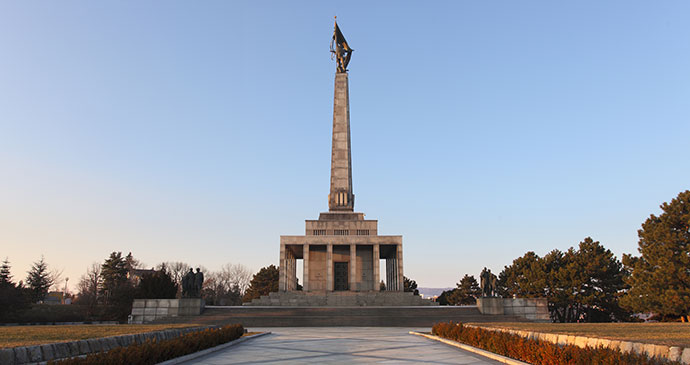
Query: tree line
{"x": 588, "y": 283}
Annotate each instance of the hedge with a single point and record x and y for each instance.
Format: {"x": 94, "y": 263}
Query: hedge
{"x": 537, "y": 351}
{"x": 153, "y": 352}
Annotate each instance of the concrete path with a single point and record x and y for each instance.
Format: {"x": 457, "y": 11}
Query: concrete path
{"x": 345, "y": 345}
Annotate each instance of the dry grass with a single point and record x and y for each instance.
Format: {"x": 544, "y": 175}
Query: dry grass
{"x": 670, "y": 334}
{"x": 12, "y": 336}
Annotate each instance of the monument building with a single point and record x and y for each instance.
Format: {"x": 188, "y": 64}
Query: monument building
{"x": 341, "y": 252}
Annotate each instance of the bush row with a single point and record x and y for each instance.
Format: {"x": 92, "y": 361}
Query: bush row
{"x": 537, "y": 351}
{"x": 152, "y": 351}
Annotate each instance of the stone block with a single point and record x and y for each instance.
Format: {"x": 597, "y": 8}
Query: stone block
{"x": 626, "y": 346}
{"x": 73, "y": 348}
{"x": 638, "y": 347}
{"x": 61, "y": 350}
{"x": 519, "y": 311}
{"x": 84, "y": 347}
{"x": 95, "y": 345}
{"x": 490, "y": 305}
{"x": 162, "y": 312}
{"x": 21, "y": 355}
{"x": 675, "y": 353}
{"x": 138, "y": 311}
{"x": 112, "y": 342}
{"x": 581, "y": 341}
{"x": 518, "y": 302}
{"x": 530, "y": 310}
{"x": 7, "y": 356}
{"x": 139, "y": 303}
{"x": 685, "y": 357}
{"x": 34, "y": 353}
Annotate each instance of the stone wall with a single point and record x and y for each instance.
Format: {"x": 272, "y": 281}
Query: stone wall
{"x": 62, "y": 350}
{"x": 148, "y": 310}
{"x": 533, "y": 309}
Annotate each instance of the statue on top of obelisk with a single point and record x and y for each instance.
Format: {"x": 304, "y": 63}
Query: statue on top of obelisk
{"x": 340, "y": 50}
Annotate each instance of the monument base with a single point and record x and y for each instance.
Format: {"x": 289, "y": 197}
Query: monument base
{"x": 148, "y": 310}
{"x": 340, "y": 299}
{"x": 533, "y": 309}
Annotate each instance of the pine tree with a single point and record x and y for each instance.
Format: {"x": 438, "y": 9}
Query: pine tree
{"x": 5, "y": 276}
{"x": 39, "y": 280}
{"x": 410, "y": 285}
{"x": 467, "y": 290}
{"x": 659, "y": 279}
{"x": 113, "y": 274}
{"x": 263, "y": 282}
{"x": 158, "y": 285}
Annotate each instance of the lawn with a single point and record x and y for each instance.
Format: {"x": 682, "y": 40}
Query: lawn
{"x": 670, "y": 334}
{"x": 12, "y": 336}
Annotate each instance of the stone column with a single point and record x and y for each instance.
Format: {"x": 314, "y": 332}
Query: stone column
{"x": 377, "y": 269}
{"x": 329, "y": 268}
{"x": 399, "y": 259}
{"x": 353, "y": 267}
{"x": 282, "y": 282}
{"x": 305, "y": 271}
{"x": 293, "y": 271}
{"x": 389, "y": 274}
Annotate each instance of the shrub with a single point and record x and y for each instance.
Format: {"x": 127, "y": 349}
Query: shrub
{"x": 152, "y": 351}
{"x": 537, "y": 351}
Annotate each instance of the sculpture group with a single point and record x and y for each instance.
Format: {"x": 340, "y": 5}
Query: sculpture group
{"x": 191, "y": 283}
{"x": 488, "y": 283}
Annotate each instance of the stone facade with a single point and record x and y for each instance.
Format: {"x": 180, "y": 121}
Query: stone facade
{"x": 341, "y": 251}
{"x": 533, "y": 309}
{"x": 148, "y": 310}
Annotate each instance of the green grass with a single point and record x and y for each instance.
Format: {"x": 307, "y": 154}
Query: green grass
{"x": 669, "y": 334}
{"x": 12, "y": 336}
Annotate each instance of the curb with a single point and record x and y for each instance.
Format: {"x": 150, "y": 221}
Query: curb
{"x": 672, "y": 353}
{"x": 198, "y": 354}
{"x": 490, "y": 355}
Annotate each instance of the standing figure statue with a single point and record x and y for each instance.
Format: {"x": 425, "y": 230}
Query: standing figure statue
{"x": 340, "y": 49}
{"x": 198, "y": 282}
{"x": 488, "y": 283}
{"x": 188, "y": 284}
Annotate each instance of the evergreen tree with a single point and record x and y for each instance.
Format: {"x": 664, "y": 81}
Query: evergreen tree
{"x": 39, "y": 280}
{"x": 410, "y": 285}
{"x": 449, "y": 297}
{"x": 263, "y": 282}
{"x": 5, "y": 276}
{"x": 159, "y": 285}
{"x": 467, "y": 291}
{"x": 113, "y": 274}
{"x": 13, "y": 297}
{"x": 659, "y": 279}
{"x": 580, "y": 285}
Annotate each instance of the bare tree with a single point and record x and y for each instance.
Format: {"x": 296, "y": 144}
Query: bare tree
{"x": 55, "y": 275}
{"x": 240, "y": 276}
{"x": 89, "y": 283}
{"x": 177, "y": 270}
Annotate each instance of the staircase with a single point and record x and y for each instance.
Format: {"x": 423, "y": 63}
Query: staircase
{"x": 340, "y": 299}
{"x": 397, "y": 316}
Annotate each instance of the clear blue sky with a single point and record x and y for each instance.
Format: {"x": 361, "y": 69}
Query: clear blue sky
{"x": 200, "y": 131}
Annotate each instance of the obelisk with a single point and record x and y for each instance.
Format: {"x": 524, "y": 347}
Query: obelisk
{"x": 341, "y": 197}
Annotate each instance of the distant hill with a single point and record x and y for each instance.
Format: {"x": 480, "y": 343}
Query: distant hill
{"x": 432, "y": 292}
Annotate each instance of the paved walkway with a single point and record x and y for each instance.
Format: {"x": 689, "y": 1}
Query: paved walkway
{"x": 345, "y": 345}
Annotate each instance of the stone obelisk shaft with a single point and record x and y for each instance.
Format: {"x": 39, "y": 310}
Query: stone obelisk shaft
{"x": 341, "y": 197}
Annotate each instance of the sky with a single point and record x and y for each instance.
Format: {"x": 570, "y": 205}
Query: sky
{"x": 200, "y": 131}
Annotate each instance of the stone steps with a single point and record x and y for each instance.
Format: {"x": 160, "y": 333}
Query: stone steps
{"x": 340, "y": 299}
{"x": 357, "y": 316}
